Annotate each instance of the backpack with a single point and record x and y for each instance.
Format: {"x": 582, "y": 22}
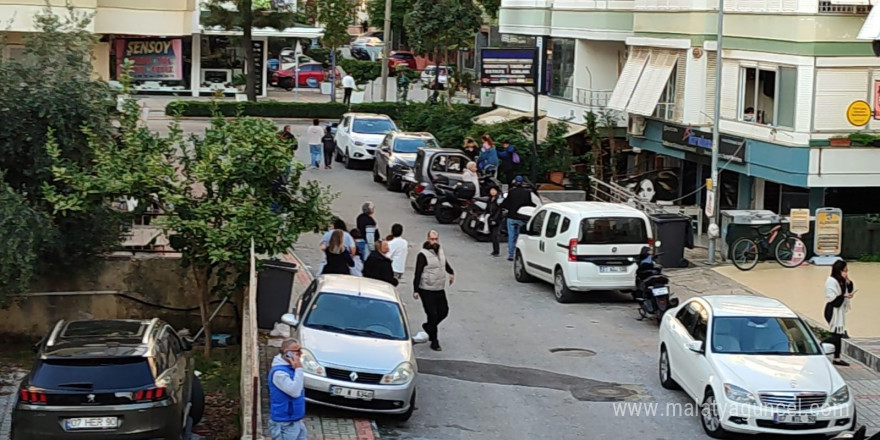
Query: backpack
{"x": 514, "y": 157}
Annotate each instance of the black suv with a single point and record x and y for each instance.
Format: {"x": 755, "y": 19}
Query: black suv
{"x": 103, "y": 379}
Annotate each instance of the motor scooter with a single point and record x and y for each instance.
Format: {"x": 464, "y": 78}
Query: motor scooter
{"x": 652, "y": 288}
{"x": 859, "y": 434}
{"x": 453, "y": 200}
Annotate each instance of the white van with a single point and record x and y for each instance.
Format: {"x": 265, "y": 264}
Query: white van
{"x": 582, "y": 246}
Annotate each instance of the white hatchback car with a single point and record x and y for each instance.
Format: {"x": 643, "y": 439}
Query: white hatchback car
{"x": 754, "y": 367}
{"x": 582, "y": 246}
{"x": 358, "y": 135}
{"x": 357, "y": 350}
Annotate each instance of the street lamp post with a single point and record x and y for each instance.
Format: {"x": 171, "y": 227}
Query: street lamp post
{"x": 716, "y": 113}
{"x": 386, "y": 40}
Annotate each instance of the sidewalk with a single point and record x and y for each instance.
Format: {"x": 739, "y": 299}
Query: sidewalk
{"x": 701, "y": 280}
{"x": 319, "y": 426}
{"x": 8, "y": 393}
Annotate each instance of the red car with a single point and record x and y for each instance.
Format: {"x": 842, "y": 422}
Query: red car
{"x": 402, "y": 58}
{"x": 310, "y": 75}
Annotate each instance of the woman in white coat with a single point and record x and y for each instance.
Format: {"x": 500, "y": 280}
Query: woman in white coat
{"x": 838, "y": 293}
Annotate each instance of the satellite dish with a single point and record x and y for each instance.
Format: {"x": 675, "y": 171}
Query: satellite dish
{"x": 875, "y": 45}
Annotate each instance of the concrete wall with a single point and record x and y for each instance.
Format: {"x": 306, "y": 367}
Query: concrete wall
{"x": 154, "y": 280}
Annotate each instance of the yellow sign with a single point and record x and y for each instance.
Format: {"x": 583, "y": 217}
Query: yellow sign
{"x": 829, "y": 229}
{"x": 799, "y": 221}
{"x": 859, "y": 113}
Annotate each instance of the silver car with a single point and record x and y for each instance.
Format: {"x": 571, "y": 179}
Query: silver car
{"x": 357, "y": 349}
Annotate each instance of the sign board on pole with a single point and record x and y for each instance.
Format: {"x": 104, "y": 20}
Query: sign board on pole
{"x": 859, "y": 113}
{"x": 799, "y": 221}
{"x": 507, "y": 67}
{"x": 710, "y": 203}
{"x": 827, "y": 238}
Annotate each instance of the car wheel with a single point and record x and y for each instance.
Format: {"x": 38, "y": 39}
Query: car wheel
{"x": 347, "y": 161}
{"x": 560, "y": 288}
{"x": 376, "y": 177}
{"x": 197, "y": 399}
{"x": 519, "y": 269}
{"x": 412, "y": 407}
{"x": 665, "y": 368}
{"x": 338, "y": 155}
{"x": 445, "y": 215}
{"x": 709, "y": 417}
{"x": 389, "y": 181}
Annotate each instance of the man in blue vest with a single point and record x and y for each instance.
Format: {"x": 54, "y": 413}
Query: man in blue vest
{"x": 287, "y": 399}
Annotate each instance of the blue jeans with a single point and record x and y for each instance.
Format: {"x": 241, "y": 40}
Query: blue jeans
{"x": 513, "y": 226}
{"x": 287, "y": 430}
{"x": 315, "y": 151}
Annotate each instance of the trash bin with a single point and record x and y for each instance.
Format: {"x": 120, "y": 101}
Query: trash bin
{"x": 674, "y": 232}
{"x": 274, "y": 288}
{"x": 738, "y": 223}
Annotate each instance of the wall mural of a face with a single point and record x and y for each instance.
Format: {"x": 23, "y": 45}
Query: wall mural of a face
{"x": 655, "y": 186}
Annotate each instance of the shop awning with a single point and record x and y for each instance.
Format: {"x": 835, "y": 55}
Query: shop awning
{"x": 652, "y": 82}
{"x": 501, "y": 115}
{"x": 628, "y": 79}
{"x": 294, "y": 32}
{"x": 871, "y": 28}
{"x": 544, "y": 124}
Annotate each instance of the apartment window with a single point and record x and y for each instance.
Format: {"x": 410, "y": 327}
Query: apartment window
{"x": 560, "y": 67}
{"x": 666, "y": 105}
{"x": 518, "y": 41}
{"x": 768, "y": 96}
{"x": 15, "y": 53}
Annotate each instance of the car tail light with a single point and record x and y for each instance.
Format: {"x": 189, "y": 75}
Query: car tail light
{"x": 149, "y": 395}
{"x": 33, "y": 397}
{"x": 651, "y": 242}
{"x": 419, "y": 188}
{"x": 573, "y": 249}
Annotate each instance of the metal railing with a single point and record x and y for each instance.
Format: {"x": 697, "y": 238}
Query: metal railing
{"x": 592, "y": 98}
{"x": 826, "y": 7}
{"x": 251, "y": 411}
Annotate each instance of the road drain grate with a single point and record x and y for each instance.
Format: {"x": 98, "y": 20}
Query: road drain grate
{"x": 573, "y": 352}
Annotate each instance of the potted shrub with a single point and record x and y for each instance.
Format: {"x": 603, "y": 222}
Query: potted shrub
{"x": 240, "y": 83}
{"x": 556, "y": 156}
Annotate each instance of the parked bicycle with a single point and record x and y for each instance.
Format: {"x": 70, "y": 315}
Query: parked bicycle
{"x": 787, "y": 248}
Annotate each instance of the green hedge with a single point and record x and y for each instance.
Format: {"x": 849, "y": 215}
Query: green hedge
{"x": 282, "y": 110}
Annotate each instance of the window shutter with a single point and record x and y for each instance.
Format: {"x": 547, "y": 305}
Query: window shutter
{"x": 711, "y": 65}
{"x": 680, "y": 74}
{"x": 729, "y": 89}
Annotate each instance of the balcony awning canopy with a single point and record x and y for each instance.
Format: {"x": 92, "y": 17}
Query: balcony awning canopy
{"x": 871, "y": 28}
{"x": 500, "y": 115}
{"x": 294, "y": 32}
{"x": 544, "y": 124}
{"x": 642, "y": 81}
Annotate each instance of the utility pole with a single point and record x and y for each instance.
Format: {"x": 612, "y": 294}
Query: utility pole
{"x": 713, "y": 219}
{"x": 386, "y": 49}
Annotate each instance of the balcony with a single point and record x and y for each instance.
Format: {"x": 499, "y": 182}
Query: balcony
{"x": 134, "y": 17}
{"x": 826, "y": 7}
{"x": 592, "y": 98}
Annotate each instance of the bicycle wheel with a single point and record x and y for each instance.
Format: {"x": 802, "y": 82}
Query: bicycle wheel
{"x": 744, "y": 253}
{"x": 790, "y": 252}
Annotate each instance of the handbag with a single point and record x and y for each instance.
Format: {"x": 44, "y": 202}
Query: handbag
{"x": 515, "y": 157}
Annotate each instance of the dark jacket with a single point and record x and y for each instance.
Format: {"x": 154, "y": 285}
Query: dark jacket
{"x": 364, "y": 221}
{"x": 329, "y": 142}
{"x": 495, "y": 211}
{"x": 505, "y": 157}
{"x": 517, "y": 198}
{"x": 338, "y": 263}
{"x": 378, "y": 267}
{"x": 472, "y": 154}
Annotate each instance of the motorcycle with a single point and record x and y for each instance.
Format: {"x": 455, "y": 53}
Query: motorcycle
{"x": 859, "y": 434}
{"x": 474, "y": 220}
{"x": 652, "y": 288}
{"x": 452, "y": 200}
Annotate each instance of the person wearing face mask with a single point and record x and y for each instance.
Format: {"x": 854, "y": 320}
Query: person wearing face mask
{"x": 432, "y": 269}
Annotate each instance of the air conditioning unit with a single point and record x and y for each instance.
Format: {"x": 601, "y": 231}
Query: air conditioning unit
{"x": 636, "y": 126}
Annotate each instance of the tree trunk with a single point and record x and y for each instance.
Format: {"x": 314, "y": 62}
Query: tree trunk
{"x": 450, "y": 90}
{"x": 611, "y": 147}
{"x": 248, "y": 46}
{"x": 202, "y": 277}
{"x": 333, "y": 74}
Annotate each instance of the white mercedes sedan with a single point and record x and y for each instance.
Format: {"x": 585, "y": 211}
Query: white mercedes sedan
{"x": 754, "y": 367}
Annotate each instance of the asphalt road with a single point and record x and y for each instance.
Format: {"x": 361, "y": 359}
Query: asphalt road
{"x": 496, "y": 377}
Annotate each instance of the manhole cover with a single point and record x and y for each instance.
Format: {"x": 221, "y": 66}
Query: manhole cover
{"x": 573, "y": 352}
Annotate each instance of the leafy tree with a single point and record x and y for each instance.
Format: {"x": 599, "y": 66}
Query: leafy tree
{"x": 491, "y": 7}
{"x": 335, "y": 15}
{"x": 448, "y": 124}
{"x": 362, "y": 71}
{"x": 235, "y": 184}
{"x": 63, "y": 98}
{"x": 244, "y": 16}
{"x": 440, "y": 26}
{"x": 399, "y": 9}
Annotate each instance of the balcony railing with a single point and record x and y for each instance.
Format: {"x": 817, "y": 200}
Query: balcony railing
{"x": 828, "y": 8}
{"x": 592, "y": 98}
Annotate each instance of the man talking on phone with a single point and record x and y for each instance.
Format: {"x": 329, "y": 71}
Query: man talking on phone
{"x": 287, "y": 399}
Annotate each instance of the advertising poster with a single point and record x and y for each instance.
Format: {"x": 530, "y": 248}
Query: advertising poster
{"x": 155, "y": 59}
{"x": 829, "y": 229}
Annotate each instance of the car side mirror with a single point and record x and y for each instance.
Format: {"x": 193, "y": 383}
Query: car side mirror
{"x": 524, "y": 229}
{"x": 695, "y": 346}
{"x": 827, "y": 348}
{"x": 420, "y": 338}
{"x": 290, "y": 319}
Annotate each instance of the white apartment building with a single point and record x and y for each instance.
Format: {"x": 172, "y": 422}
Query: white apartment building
{"x": 790, "y": 70}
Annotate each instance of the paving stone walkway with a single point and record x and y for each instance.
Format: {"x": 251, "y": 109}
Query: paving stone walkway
{"x": 8, "y": 392}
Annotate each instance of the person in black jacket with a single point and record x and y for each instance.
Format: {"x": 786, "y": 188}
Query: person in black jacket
{"x": 495, "y": 217}
{"x": 339, "y": 259}
{"x": 329, "y": 148}
{"x": 518, "y": 197}
{"x": 378, "y": 266}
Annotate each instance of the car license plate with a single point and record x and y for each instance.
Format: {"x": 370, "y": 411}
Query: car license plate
{"x": 794, "y": 418}
{"x": 657, "y": 291}
{"x": 92, "y": 423}
{"x": 612, "y": 269}
{"x": 351, "y": 393}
